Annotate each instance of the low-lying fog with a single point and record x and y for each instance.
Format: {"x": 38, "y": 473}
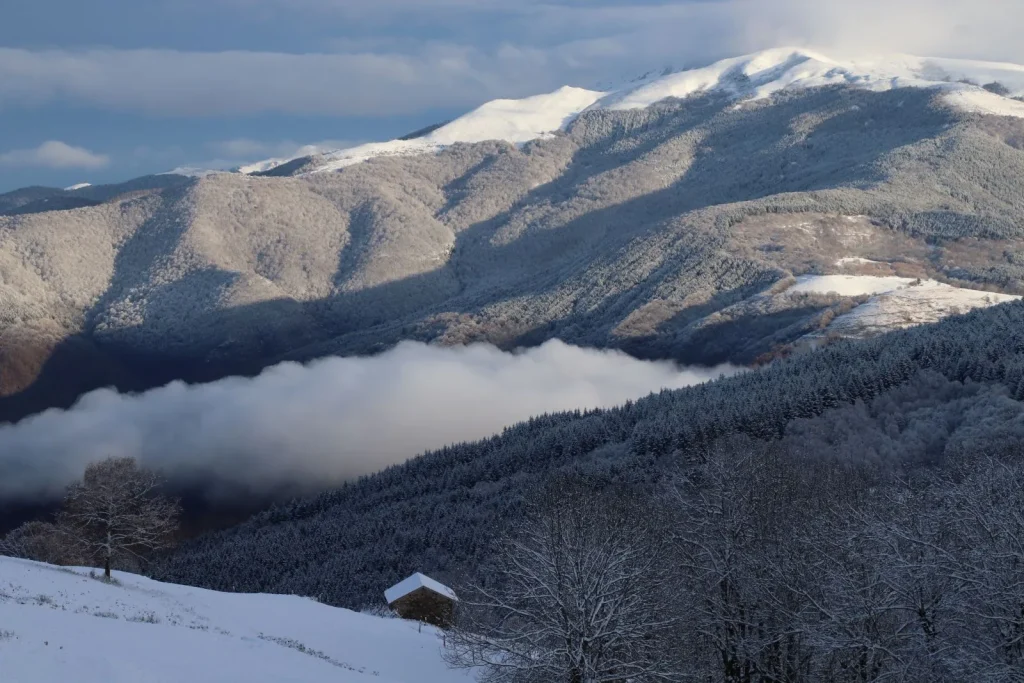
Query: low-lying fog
{"x": 307, "y": 427}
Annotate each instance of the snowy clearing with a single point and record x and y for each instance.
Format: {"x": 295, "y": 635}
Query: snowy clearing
{"x": 750, "y": 77}
{"x": 855, "y": 261}
{"x": 898, "y": 308}
{"x": 984, "y": 102}
{"x": 61, "y": 625}
{"x": 896, "y": 302}
{"x": 847, "y": 285}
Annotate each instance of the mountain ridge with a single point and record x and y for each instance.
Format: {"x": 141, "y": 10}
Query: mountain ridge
{"x": 748, "y": 77}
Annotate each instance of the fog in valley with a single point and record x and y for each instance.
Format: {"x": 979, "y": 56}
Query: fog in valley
{"x": 298, "y": 428}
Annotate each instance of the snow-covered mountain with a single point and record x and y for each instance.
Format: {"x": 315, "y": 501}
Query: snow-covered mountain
{"x": 59, "y": 624}
{"x": 751, "y": 77}
{"x": 664, "y": 218}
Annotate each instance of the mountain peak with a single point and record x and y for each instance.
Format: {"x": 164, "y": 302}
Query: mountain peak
{"x": 976, "y": 86}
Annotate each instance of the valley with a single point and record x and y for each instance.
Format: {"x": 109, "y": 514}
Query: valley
{"x": 712, "y": 375}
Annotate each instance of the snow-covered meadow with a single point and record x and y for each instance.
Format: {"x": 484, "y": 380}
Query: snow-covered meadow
{"x": 896, "y": 302}
{"x": 59, "y": 625}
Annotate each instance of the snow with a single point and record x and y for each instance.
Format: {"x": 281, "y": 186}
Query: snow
{"x": 760, "y": 75}
{"x": 79, "y": 186}
{"x": 847, "y": 285}
{"x": 263, "y": 166}
{"x": 515, "y": 121}
{"x": 854, "y": 260}
{"x": 749, "y": 77}
{"x": 194, "y": 172}
{"x": 895, "y": 302}
{"x": 61, "y": 625}
{"x": 927, "y": 302}
{"x": 984, "y": 102}
{"x": 414, "y": 582}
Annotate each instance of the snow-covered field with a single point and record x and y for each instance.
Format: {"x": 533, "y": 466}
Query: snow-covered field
{"x": 927, "y": 302}
{"x": 895, "y": 302}
{"x": 847, "y": 285}
{"x": 59, "y": 625}
{"x": 750, "y": 77}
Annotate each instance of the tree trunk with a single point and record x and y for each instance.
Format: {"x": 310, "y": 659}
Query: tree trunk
{"x": 106, "y": 567}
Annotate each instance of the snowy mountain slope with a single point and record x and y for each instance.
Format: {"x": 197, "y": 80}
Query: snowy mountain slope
{"x": 750, "y": 77}
{"x": 760, "y": 75}
{"x": 61, "y": 625}
{"x": 895, "y": 303}
{"x": 515, "y": 121}
{"x": 633, "y": 228}
{"x": 914, "y": 304}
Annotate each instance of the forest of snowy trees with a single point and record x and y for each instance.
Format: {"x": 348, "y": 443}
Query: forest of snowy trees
{"x": 757, "y": 564}
{"x": 891, "y": 465}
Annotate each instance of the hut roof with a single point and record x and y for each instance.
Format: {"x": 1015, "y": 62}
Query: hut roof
{"x": 414, "y": 582}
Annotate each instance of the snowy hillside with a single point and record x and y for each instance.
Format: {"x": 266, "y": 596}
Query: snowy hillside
{"x": 749, "y": 77}
{"x": 61, "y": 625}
{"x": 917, "y": 304}
{"x": 895, "y": 302}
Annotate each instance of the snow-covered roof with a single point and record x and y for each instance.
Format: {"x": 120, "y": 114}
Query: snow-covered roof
{"x": 414, "y": 582}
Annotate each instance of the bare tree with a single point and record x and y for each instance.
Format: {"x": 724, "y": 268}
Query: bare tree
{"x": 581, "y": 595}
{"x": 117, "y": 513}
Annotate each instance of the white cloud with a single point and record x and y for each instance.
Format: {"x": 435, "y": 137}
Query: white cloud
{"x": 309, "y": 427}
{"x": 55, "y": 154}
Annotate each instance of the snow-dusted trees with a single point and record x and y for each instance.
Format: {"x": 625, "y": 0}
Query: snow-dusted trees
{"x": 36, "y": 540}
{"x": 116, "y": 513}
{"x": 735, "y": 512}
{"x": 580, "y": 594}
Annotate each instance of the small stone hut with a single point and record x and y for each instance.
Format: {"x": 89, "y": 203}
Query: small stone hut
{"x": 422, "y": 598}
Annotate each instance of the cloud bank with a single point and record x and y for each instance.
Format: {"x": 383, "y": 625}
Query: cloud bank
{"x": 55, "y": 154}
{"x": 399, "y": 57}
{"x": 301, "y": 428}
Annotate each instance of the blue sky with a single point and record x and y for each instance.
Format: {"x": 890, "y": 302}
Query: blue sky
{"x": 107, "y": 90}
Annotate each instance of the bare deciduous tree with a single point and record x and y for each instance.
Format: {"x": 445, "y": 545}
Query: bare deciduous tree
{"x": 581, "y": 595}
{"x": 117, "y": 513}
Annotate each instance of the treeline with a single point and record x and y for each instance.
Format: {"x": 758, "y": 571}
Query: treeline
{"x": 905, "y": 402}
